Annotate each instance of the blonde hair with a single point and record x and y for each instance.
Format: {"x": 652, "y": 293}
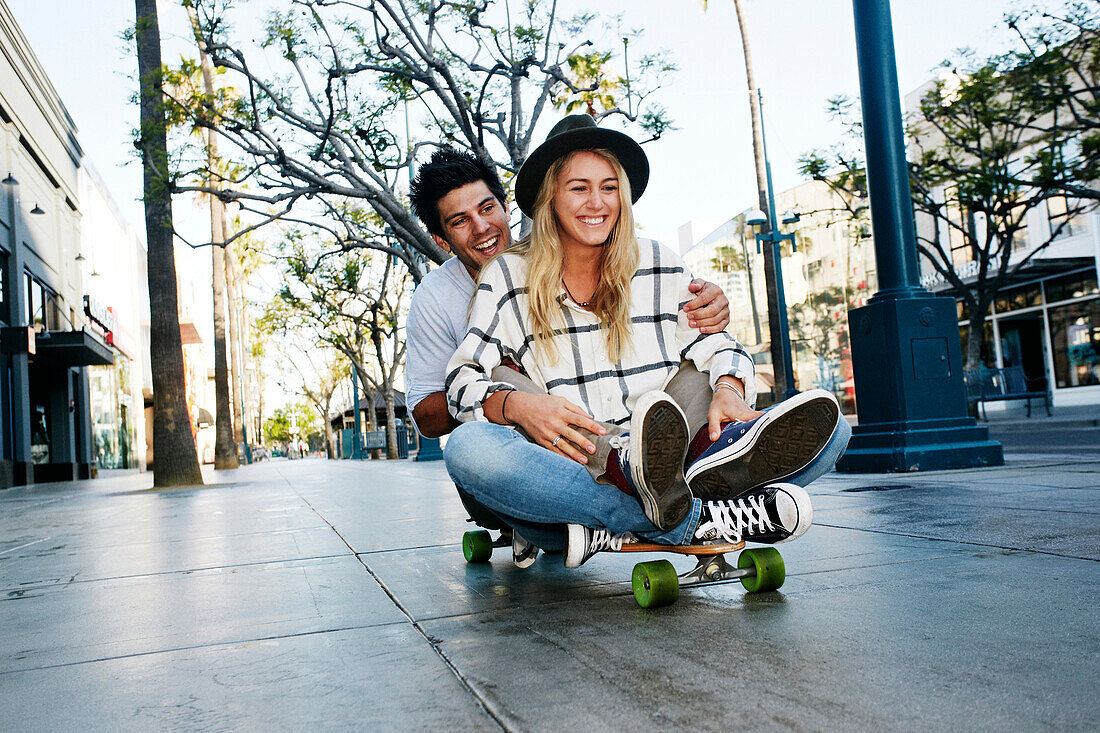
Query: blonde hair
{"x": 543, "y": 251}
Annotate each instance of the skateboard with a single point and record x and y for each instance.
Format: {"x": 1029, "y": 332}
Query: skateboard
{"x": 656, "y": 583}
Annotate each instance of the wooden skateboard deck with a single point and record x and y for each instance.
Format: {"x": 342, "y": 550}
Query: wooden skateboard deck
{"x": 705, "y": 550}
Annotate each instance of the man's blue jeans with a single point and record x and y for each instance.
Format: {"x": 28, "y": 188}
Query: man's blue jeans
{"x": 537, "y": 491}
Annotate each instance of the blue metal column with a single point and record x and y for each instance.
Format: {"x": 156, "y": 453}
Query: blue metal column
{"x": 357, "y": 438}
{"x": 775, "y": 241}
{"x": 906, "y": 354}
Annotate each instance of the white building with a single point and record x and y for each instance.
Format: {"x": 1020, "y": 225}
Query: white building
{"x": 1046, "y": 319}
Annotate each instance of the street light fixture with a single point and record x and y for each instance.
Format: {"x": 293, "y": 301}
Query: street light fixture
{"x": 38, "y": 210}
{"x": 10, "y": 180}
{"x": 773, "y": 238}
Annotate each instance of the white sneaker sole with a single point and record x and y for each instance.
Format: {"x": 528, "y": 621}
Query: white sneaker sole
{"x": 788, "y": 439}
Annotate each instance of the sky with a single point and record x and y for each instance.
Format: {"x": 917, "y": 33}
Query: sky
{"x": 803, "y": 53}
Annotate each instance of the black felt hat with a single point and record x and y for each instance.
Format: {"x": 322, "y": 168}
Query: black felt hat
{"x": 579, "y": 132}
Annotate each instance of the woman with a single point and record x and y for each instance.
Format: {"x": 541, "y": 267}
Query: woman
{"x": 592, "y": 317}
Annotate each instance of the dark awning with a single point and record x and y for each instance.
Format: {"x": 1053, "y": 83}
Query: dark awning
{"x": 1036, "y": 269}
{"x": 71, "y": 348}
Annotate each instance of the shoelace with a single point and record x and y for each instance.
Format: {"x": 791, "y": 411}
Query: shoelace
{"x": 603, "y": 539}
{"x": 730, "y": 520}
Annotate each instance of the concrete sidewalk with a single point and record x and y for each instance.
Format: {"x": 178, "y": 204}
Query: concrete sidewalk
{"x": 312, "y": 594}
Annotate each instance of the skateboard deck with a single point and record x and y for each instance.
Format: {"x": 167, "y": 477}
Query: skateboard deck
{"x": 703, "y": 550}
{"x": 656, "y": 583}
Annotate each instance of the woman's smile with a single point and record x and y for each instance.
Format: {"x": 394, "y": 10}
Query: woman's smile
{"x": 586, "y": 200}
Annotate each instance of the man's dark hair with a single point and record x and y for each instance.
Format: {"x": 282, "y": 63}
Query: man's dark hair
{"x": 447, "y": 170}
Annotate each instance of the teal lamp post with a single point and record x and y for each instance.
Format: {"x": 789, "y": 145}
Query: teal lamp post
{"x": 906, "y": 355}
{"x": 774, "y": 239}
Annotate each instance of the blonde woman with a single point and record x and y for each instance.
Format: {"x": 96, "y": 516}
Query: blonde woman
{"x": 591, "y": 317}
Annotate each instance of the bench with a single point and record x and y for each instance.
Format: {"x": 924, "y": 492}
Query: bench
{"x": 1002, "y": 384}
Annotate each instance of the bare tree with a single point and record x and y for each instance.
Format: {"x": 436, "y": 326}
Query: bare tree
{"x": 354, "y": 303}
{"x": 327, "y": 370}
{"x": 318, "y": 128}
{"x": 175, "y": 460}
{"x": 1057, "y": 74}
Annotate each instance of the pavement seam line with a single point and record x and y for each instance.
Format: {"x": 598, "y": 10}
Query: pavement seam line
{"x": 431, "y": 641}
{"x": 191, "y": 647}
{"x": 959, "y": 542}
{"x": 182, "y": 571}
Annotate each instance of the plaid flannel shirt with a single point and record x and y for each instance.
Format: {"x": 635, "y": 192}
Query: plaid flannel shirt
{"x": 498, "y": 328}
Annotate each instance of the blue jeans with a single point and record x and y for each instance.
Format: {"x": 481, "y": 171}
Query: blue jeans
{"x": 537, "y": 491}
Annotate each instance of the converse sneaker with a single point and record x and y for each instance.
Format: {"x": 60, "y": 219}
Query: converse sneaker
{"x": 773, "y": 514}
{"x": 773, "y": 447}
{"x": 652, "y": 455}
{"x": 582, "y": 543}
{"x": 523, "y": 552}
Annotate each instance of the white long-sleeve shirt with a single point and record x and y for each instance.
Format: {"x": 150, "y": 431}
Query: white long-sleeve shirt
{"x": 498, "y": 328}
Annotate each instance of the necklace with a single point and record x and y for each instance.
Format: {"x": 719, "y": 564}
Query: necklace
{"x": 582, "y": 305}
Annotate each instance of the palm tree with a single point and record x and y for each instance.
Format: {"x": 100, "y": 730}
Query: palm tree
{"x": 225, "y": 448}
{"x": 175, "y": 461}
{"x": 778, "y": 356}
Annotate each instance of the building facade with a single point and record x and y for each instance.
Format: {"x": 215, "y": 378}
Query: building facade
{"x": 830, "y": 269}
{"x": 1045, "y": 318}
{"x": 115, "y": 307}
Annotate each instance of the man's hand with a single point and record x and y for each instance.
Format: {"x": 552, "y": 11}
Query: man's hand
{"x": 549, "y": 421}
{"x": 709, "y": 310}
{"x": 727, "y": 405}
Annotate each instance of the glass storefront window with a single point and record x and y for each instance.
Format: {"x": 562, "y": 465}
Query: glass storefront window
{"x": 1017, "y": 298}
{"x": 112, "y": 429}
{"x": 1075, "y": 338}
{"x": 1076, "y": 285}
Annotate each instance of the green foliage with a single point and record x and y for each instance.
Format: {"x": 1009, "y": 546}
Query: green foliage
{"x": 728, "y": 259}
{"x": 820, "y": 321}
{"x": 590, "y": 85}
{"x": 297, "y": 420}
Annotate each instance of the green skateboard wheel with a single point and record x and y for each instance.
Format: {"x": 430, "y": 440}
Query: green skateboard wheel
{"x": 768, "y": 564}
{"x": 655, "y": 583}
{"x": 477, "y": 546}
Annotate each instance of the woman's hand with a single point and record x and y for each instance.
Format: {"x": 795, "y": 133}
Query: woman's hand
{"x": 726, "y": 405}
{"x": 553, "y": 423}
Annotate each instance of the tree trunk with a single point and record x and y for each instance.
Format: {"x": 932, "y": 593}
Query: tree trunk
{"x": 974, "y": 345}
{"x": 779, "y": 357}
{"x": 175, "y": 458}
{"x": 391, "y": 422}
{"x": 232, "y": 297}
{"x": 225, "y": 449}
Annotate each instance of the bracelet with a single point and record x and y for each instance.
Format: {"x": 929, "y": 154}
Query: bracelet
{"x": 727, "y": 385}
{"x": 507, "y": 394}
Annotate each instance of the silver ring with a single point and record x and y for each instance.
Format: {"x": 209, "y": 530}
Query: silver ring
{"x": 555, "y": 443}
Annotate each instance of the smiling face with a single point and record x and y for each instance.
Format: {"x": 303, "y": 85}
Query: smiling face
{"x": 475, "y": 224}
{"x": 586, "y": 200}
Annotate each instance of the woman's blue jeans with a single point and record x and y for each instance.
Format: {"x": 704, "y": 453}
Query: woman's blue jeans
{"x": 537, "y": 491}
